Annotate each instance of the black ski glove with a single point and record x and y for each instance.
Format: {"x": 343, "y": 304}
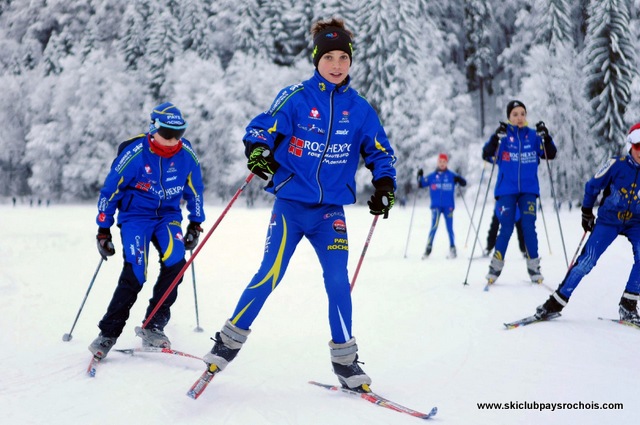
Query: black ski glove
{"x": 383, "y": 198}
{"x": 588, "y": 219}
{"x": 501, "y": 131}
{"x": 261, "y": 161}
{"x": 462, "y": 182}
{"x": 192, "y": 236}
{"x": 105, "y": 245}
{"x": 420, "y": 173}
{"x": 542, "y": 130}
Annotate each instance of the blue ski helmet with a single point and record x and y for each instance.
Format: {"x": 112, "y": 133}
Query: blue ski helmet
{"x": 167, "y": 120}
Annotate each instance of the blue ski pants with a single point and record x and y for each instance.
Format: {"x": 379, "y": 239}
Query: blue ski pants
{"x": 507, "y": 207}
{"x": 601, "y": 237}
{"x": 166, "y": 236}
{"x": 325, "y": 227}
{"x": 447, "y": 212}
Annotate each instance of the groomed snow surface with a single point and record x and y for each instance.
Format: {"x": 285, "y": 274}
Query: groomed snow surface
{"x": 426, "y": 339}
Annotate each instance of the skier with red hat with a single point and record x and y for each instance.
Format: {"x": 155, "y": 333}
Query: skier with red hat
{"x": 441, "y": 184}
{"x": 619, "y": 214}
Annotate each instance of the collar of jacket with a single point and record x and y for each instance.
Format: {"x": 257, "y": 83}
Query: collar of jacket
{"x": 517, "y": 129}
{"x": 632, "y": 161}
{"x": 323, "y": 85}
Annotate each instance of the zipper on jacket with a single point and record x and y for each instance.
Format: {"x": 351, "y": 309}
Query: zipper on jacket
{"x": 519, "y": 158}
{"x": 326, "y": 146}
{"x": 161, "y": 187}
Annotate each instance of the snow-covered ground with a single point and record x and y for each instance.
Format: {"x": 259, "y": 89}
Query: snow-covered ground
{"x": 425, "y": 338}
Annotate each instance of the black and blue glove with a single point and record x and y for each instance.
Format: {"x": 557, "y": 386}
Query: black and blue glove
{"x": 192, "y": 236}
{"x": 261, "y": 162}
{"x": 588, "y": 219}
{"x": 383, "y": 198}
{"x": 105, "y": 245}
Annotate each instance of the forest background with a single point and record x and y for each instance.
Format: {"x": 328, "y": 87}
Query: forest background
{"x": 81, "y": 76}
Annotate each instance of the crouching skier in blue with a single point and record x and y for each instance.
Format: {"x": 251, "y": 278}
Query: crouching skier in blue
{"x": 148, "y": 179}
{"x": 618, "y": 214}
{"x": 311, "y": 140}
{"x": 517, "y": 150}
{"x": 441, "y": 184}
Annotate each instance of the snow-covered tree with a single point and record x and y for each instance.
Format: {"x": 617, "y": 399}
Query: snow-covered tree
{"x": 479, "y": 54}
{"x": 610, "y": 68}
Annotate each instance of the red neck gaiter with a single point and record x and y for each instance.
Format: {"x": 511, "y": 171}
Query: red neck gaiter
{"x": 164, "y": 151}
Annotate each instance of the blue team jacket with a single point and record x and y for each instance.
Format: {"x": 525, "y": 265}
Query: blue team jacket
{"x": 442, "y": 187}
{"x": 619, "y": 178}
{"x": 518, "y": 157}
{"x": 318, "y": 132}
{"x": 143, "y": 185}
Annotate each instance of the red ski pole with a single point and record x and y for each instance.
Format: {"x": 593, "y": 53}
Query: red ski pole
{"x": 196, "y": 251}
{"x": 364, "y": 250}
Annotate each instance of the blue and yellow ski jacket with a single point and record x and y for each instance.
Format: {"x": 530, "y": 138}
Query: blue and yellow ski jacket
{"x": 317, "y": 133}
{"x": 618, "y": 178}
{"x": 143, "y": 185}
{"x": 518, "y": 157}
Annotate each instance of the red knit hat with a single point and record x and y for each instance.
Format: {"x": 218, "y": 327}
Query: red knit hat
{"x": 443, "y": 156}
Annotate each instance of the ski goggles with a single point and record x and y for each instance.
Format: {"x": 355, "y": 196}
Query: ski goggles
{"x": 171, "y": 133}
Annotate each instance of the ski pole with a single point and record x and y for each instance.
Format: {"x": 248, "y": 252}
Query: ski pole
{"x": 197, "y": 250}
{"x": 484, "y": 204}
{"x": 195, "y": 295}
{"x": 68, "y": 336}
{"x": 470, "y": 217}
{"x": 364, "y": 251}
{"x": 555, "y": 204}
{"x": 544, "y": 222}
{"x": 573, "y": 260}
{"x": 475, "y": 203}
{"x": 406, "y": 247}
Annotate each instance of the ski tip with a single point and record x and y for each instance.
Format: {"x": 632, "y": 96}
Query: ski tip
{"x": 432, "y": 413}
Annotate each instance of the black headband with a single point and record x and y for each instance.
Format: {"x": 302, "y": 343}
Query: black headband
{"x": 331, "y": 38}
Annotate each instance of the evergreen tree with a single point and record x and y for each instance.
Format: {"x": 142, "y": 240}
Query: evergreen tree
{"x": 223, "y": 23}
{"x": 610, "y": 68}
{"x": 250, "y": 31}
{"x": 196, "y": 35}
{"x": 387, "y": 45}
{"x": 479, "y": 54}
{"x": 163, "y": 47}
{"x": 134, "y": 37}
{"x": 553, "y": 22}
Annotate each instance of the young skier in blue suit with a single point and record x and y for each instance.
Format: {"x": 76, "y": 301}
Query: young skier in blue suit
{"x": 151, "y": 175}
{"x": 310, "y": 140}
{"x": 619, "y": 214}
{"x": 517, "y": 149}
{"x": 442, "y": 185}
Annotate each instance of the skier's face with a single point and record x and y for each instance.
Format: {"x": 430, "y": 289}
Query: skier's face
{"x": 442, "y": 164}
{"x": 334, "y": 66}
{"x": 635, "y": 152}
{"x": 518, "y": 116}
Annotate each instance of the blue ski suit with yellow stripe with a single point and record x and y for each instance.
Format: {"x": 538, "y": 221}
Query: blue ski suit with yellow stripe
{"x": 146, "y": 190}
{"x": 317, "y": 132}
{"x": 441, "y": 184}
{"x": 619, "y": 214}
{"x": 517, "y": 188}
